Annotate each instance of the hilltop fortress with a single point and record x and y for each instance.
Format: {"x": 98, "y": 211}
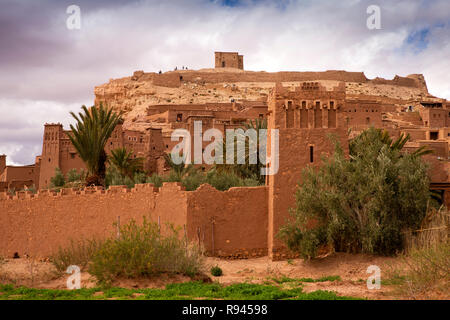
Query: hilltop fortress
{"x": 242, "y": 222}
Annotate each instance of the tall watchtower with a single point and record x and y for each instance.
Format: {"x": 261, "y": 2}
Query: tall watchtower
{"x": 304, "y": 118}
{"x": 2, "y": 163}
{"x": 50, "y": 152}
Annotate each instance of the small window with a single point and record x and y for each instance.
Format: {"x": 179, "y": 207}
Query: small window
{"x": 434, "y": 135}
{"x": 311, "y": 154}
{"x": 179, "y": 117}
{"x": 223, "y": 64}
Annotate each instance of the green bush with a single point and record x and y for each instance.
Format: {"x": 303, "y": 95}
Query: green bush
{"x": 74, "y": 176}
{"x": 222, "y": 180}
{"x": 216, "y": 271}
{"x": 57, "y": 181}
{"x": 156, "y": 180}
{"x": 361, "y": 204}
{"x": 113, "y": 177}
{"x": 78, "y": 253}
{"x": 142, "y": 251}
{"x": 193, "y": 178}
{"x": 193, "y": 181}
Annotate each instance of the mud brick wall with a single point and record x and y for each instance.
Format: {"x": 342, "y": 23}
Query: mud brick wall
{"x": 231, "y": 224}
{"x": 38, "y": 224}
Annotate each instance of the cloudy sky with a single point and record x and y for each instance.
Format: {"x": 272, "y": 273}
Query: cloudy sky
{"x": 47, "y": 70}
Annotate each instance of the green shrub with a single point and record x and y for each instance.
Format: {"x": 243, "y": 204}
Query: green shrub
{"x": 156, "y": 180}
{"x": 364, "y": 203}
{"x": 115, "y": 178}
{"x": 78, "y": 253}
{"x": 74, "y": 176}
{"x": 139, "y": 177}
{"x": 194, "y": 180}
{"x": 216, "y": 271}
{"x": 142, "y": 251}
{"x": 31, "y": 189}
{"x": 57, "y": 181}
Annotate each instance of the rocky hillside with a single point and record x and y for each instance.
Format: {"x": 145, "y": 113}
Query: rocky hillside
{"x": 134, "y": 94}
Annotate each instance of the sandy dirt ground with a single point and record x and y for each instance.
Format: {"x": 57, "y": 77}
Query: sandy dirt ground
{"x": 352, "y": 270}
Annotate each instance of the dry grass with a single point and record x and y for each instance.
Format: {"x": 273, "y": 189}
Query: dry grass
{"x": 434, "y": 230}
{"x": 79, "y": 253}
{"x": 424, "y": 271}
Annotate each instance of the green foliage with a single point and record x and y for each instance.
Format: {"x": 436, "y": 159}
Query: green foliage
{"x": 155, "y": 179}
{"x": 285, "y": 279}
{"x": 89, "y": 136}
{"x": 178, "y": 171}
{"x": 58, "y": 180}
{"x": 216, "y": 271}
{"x": 125, "y": 162}
{"x": 74, "y": 176}
{"x": 78, "y": 253}
{"x": 246, "y": 170}
{"x": 225, "y": 180}
{"x": 31, "y": 189}
{"x": 193, "y": 178}
{"x": 177, "y": 291}
{"x": 361, "y": 204}
{"x": 115, "y": 178}
{"x": 142, "y": 251}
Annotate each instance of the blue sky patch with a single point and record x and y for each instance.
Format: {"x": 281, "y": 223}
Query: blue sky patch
{"x": 418, "y": 39}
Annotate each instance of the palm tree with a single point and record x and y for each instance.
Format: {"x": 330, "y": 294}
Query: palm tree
{"x": 178, "y": 171}
{"x": 93, "y": 129}
{"x": 125, "y": 162}
{"x": 247, "y": 170}
{"x": 384, "y": 137}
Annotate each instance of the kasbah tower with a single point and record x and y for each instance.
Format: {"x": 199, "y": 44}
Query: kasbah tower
{"x": 305, "y": 107}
